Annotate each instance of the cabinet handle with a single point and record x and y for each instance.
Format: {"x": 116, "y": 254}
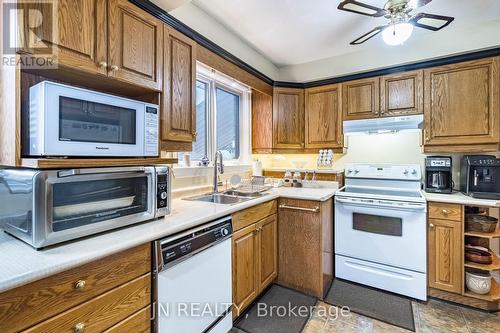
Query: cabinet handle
{"x": 103, "y": 64}
{"x": 80, "y": 284}
{"x": 313, "y": 210}
{"x": 444, "y": 211}
{"x": 79, "y": 328}
{"x": 114, "y": 68}
{"x": 431, "y": 225}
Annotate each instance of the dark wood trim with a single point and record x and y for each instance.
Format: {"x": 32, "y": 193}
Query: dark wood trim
{"x": 198, "y": 38}
{"x": 205, "y": 42}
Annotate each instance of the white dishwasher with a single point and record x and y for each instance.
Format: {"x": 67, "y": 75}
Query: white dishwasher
{"x": 194, "y": 280}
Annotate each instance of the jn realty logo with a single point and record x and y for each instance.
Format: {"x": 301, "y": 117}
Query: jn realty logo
{"x": 29, "y": 28}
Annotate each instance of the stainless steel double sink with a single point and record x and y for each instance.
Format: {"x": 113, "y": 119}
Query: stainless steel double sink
{"x": 230, "y": 197}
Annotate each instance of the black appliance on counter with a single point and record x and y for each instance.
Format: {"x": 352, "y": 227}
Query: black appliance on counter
{"x": 480, "y": 176}
{"x": 438, "y": 174}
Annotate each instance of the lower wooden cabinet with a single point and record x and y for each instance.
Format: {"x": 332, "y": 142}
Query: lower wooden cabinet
{"x": 93, "y": 297}
{"x": 445, "y": 250}
{"x": 255, "y": 261}
{"x": 305, "y": 237}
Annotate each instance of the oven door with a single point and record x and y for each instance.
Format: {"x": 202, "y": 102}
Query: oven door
{"x": 385, "y": 232}
{"x": 82, "y": 202}
{"x": 79, "y": 122}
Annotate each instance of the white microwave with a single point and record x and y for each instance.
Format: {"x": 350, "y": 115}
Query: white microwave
{"x": 69, "y": 121}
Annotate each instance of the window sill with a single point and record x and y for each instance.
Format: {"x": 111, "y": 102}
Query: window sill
{"x": 203, "y": 171}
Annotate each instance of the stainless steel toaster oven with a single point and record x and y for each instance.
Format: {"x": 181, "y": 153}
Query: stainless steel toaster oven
{"x": 45, "y": 207}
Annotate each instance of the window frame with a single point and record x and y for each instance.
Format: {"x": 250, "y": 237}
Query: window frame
{"x": 215, "y": 80}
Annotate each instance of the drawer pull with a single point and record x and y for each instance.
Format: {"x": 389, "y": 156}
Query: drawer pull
{"x": 313, "y": 210}
{"x": 80, "y": 284}
{"x": 444, "y": 211}
{"x": 79, "y": 328}
{"x": 431, "y": 225}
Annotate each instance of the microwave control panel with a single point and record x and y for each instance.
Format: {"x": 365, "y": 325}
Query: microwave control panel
{"x": 162, "y": 194}
{"x": 151, "y": 130}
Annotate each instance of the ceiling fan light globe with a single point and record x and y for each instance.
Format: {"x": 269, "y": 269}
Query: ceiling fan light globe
{"x": 397, "y": 34}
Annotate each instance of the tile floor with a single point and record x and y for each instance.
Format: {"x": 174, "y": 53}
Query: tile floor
{"x": 433, "y": 317}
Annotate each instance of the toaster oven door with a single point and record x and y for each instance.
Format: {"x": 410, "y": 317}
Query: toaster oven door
{"x": 81, "y": 202}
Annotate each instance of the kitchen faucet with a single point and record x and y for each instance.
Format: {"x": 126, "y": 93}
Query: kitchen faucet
{"x": 218, "y": 168}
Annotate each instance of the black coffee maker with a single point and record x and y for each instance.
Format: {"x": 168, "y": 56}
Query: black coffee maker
{"x": 438, "y": 174}
{"x": 480, "y": 176}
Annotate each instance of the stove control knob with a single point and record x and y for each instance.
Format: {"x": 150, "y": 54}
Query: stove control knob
{"x": 406, "y": 171}
{"x": 414, "y": 172}
{"x": 356, "y": 171}
{"x": 349, "y": 171}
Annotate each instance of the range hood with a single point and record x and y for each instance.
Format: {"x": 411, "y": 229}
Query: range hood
{"x": 383, "y": 125}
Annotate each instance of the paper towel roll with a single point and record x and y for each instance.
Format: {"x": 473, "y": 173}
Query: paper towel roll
{"x": 257, "y": 168}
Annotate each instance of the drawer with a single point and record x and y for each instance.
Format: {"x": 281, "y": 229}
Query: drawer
{"x": 445, "y": 211}
{"x": 139, "y": 322}
{"x": 27, "y": 305}
{"x": 101, "y": 312}
{"x": 251, "y": 215}
{"x": 304, "y": 206}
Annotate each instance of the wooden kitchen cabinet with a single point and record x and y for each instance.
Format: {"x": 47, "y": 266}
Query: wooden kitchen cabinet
{"x": 402, "y": 94}
{"x": 360, "y": 99}
{"x": 445, "y": 248}
{"x": 178, "y": 116}
{"x": 288, "y": 118}
{"x": 462, "y": 106}
{"x": 99, "y": 295}
{"x": 305, "y": 238}
{"x": 262, "y": 122}
{"x": 135, "y": 45}
{"x": 323, "y": 117}
{"x": 255, "y": 253}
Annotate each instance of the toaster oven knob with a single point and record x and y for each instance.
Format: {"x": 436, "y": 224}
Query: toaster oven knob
{"x": 163, "y": 195}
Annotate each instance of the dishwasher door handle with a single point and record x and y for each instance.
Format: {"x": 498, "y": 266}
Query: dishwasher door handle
{"x": 312, "y": 210}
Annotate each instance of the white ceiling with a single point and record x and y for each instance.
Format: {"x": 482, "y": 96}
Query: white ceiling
{"x": 291, "y": 32}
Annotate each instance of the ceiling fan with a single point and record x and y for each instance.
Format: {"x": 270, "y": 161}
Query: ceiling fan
{"x": 402, "y": 21}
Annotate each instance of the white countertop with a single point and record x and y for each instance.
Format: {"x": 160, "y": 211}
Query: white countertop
{"x": 21, "y": 264}
{"x": 460, "y": 198}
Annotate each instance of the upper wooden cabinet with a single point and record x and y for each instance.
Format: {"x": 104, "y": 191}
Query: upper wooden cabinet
{"x": 81, "y": 39}
{"x": 360, "y": 99}
{"x": 179, "y": 89}
{"x": 323, "y": 117}
{"x": 135, "y": 44}
{"x": 288, "y": 118}
{"x": 262, "y": 122}
{"x": 402, "y": 94}
{"x": 462, "y": 106}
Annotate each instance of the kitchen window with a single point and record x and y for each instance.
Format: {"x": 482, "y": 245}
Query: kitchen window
{"x": 222, "y": 118}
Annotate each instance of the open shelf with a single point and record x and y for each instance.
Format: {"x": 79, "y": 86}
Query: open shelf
{"x": 493, "y": 295}
{"x": 495, "y": 265}
{"x": 490, "y": 235}
{"x": 59, "y": 163}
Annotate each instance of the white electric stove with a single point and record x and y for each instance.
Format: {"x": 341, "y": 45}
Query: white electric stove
{"x": 380, "y": 228}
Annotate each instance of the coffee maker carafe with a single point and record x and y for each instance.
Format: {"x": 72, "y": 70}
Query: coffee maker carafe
{"x": 438, "y": 174}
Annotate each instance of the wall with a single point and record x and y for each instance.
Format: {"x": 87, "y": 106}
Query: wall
{"x": 198, "y": 20}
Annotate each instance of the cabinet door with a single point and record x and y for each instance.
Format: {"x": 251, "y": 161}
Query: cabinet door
{"x": 445, "y": 255}
{"x": 360, "y": 99}
{"x": 135, "y": 45}
{"x": 402, "y": 94}
{"x": 78, "y": 39}
{"x": 268, "y": 251}
{"x": 300, "y": 246}
{"x": 288, "y": 118}
{"x": 462, "y": 103}
{"x": 323, "y": 116}
{"x": 245, "y": 267}
{"x": 262, "y": 122}
{"x": 179, "y": 92}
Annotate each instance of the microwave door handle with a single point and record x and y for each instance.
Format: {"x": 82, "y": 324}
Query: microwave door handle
{"x": 81, "y": 172}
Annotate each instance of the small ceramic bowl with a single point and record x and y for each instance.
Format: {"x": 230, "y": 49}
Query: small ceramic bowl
{"x": 478, "y": 282}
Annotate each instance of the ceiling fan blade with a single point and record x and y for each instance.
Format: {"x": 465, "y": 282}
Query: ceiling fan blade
{"x": 358, "y": 7}
{"x": 418, "y": 3}
{"x": 431, "y": 21}
{"x": 367, "y": 36}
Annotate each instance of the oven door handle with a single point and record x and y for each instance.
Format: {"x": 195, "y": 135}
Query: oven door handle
{"x": 364, "y": 203}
